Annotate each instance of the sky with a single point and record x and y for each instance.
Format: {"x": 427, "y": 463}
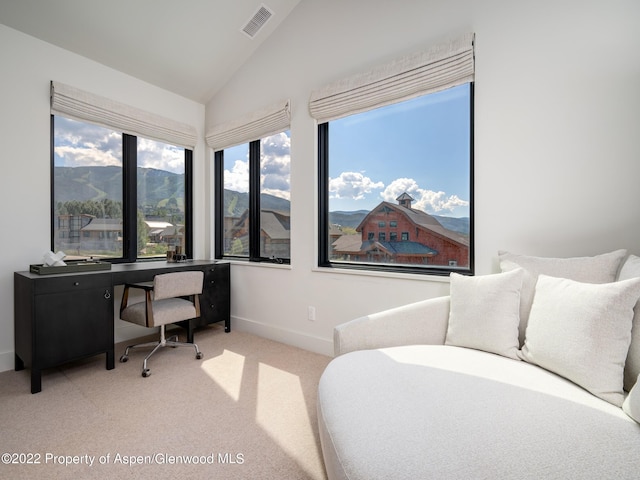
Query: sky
{"x": 82, "y": 144}
{"x": 419, "y": 146}
{"x": 275, "y": 166}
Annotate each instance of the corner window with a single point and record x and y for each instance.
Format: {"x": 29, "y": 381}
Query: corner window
{"x": 253, "y": 207}
{"x": 407, "y": 165}
{"x": 115, "y": 196}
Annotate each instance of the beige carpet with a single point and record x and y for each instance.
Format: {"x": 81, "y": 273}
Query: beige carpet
{"x": 247, "y": 410}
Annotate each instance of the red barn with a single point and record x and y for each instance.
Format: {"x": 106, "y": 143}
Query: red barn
{"x": 393, "y": 233}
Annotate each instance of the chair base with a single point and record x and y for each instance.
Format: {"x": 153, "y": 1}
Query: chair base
{"x": 170, "y": 342}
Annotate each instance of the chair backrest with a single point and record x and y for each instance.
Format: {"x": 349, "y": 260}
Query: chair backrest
{"x": 177, "y": 284}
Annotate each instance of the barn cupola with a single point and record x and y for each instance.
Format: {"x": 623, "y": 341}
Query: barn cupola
{"x": 405, "y": 200}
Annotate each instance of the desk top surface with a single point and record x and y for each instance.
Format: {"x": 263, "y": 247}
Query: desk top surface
{"x": 121, "y": 269}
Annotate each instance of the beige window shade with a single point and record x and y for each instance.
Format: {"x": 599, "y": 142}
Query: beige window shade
{"x": 270, "y": 120}
{"x": 84, "y": 106}
{"x": 442, "y": 66}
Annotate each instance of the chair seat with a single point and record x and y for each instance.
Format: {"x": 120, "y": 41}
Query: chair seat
{"x": 168, "y": 310}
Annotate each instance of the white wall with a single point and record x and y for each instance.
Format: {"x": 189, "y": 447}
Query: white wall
{"x": 28, "y": 65}
{"x": 556, "y": 154}
{"x": 557, "y": 121}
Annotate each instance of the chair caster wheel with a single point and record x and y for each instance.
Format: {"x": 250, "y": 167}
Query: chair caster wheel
{"x": 146, "y": 373}
{"x": 198, "y": 355}
{"x": 123, "y": 359}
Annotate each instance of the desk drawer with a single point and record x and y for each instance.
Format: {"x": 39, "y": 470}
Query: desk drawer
{"x": 70, "y": 283}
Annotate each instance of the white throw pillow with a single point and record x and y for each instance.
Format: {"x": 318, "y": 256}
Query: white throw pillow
{"x": 597, "y": 269}
{"x": 582, "y": 332}
{"x": 484, "y": 312}
{"x": 631, "y": 269}
{"x": 631, "y": 405}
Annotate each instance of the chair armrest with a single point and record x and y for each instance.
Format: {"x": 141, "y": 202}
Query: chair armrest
{"x": 423, "y": 322}
{"x": 146, "y": 286}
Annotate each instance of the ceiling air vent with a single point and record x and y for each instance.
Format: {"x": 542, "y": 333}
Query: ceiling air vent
{"x": 257, "y": 21}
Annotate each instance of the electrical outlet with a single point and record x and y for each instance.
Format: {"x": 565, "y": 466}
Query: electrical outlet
{"x": 311, "y": 313}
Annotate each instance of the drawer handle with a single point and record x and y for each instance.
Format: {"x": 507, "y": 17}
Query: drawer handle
{"x": 212, "y": 306}
{"x": 107, "y": 294}
{"x": 75, "y": 284}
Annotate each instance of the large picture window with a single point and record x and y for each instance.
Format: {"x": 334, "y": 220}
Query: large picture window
{"x": 396, "y": 185}
{"x": 253, "y": 209}
{"x": 395, "y": 164}
{"x": 116, "y": 196}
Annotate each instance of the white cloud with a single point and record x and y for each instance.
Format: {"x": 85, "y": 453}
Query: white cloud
{"x": 352, "y": 185}
{"x": 152, "y": 154}
{"x": 426, "y": 200}
{"x": 275, "y": 166}
{"x": 237, "y": 179}
{"x": 85, "y": 156}
{"x": 82, "y": 144}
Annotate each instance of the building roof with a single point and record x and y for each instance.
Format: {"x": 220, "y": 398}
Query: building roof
{"x": 153, "y": 224}
{"x": 353, "y": 245}
{"x": 275, "y": 224}
{"x": 408, "y": 248}
{"x": 405, "y": 196}
{"x": 103, "y": 224}
{"x": 348, "y": 244}
{"x": 421, "y": 219}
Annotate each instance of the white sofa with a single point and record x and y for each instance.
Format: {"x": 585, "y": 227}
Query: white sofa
{"x": 437, "y": 389}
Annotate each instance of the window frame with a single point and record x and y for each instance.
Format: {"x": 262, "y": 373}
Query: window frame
{"x": 324, "y": 249}
{"x": 254, "y": 209}
{"x": 130, "y": 197}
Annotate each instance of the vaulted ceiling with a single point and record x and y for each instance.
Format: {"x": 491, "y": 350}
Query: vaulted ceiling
{"x": 190, "y": 47}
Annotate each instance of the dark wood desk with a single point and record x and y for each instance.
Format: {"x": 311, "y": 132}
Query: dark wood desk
{"x": 64, "y": 317}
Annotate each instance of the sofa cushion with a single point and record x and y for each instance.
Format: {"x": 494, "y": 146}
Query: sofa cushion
{"x": 582, "y": 331}
{"x": 435, "y": 411}
{"x": 631, "y": 405}
{"x": 484, "y": 312}
{"x": 597, "y": 269}
{"x": 631, "y": 269}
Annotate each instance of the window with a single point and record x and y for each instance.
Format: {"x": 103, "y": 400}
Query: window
{"x": 253, "y": 210}
{"x": 406, "y": 165}
{"x": 161, "y": 197}
{"x": 395, "y": 144}
{"x": 115, "y": 196}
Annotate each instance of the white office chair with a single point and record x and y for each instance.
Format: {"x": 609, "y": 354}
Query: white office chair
{"x": 163, "y": 304}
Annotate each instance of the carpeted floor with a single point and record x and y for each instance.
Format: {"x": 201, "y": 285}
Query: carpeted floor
{"x": 247, "y": 410}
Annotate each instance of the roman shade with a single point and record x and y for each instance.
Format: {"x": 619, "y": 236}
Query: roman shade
{"x": 80, "y": 105}
{"x": 442, "y": 66}
{"x": 270, "y": 120}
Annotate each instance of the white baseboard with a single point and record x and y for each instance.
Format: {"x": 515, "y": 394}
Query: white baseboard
{"x": 7, "y": 361}
{"x": 126, "y": 331}
{"x": 314, "y": 344}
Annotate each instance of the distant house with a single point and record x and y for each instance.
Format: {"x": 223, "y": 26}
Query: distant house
{"x": 79, "y": 233}
{"x": 69, "y": 227}
{"x": 172, "y": 235}
{"x": 397, "y": 233}
{"x": 157, "y": 229}
{"x": 102, "y": 234}
{"x": 275, "y": 232}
